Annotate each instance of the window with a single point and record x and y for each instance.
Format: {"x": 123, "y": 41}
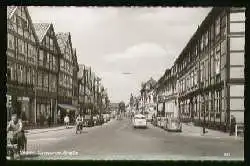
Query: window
{"x": 51, "y": 44}
{"x": 237, "y": 27}
{"x": 217, "y": 26}
{"x": 217, "y": 60}
{"x": 24, "y": 24}
{"x": 33, "y": 77}
{"x": 212, "y": 66}
{"x": 11, "y": 41}
{"x": 40, "y": 80}
{"x": 47, "y": 41}
{"x": 21, "y": 73}
{"x": 45, "y": 81}
{"x": 25, "y": 51}
{"x": 206, "y": 39}
{"x": 237, "y": 43}
{"x": 24, "y": 74}
{"x": 223, "y": 47}
{"x": 212, "y": 34}
{"x": 201, "y": 72}
{"x": 237, "y": 16}
{"x": 41, "y": 57}
{"x": 20, "y": 46}
{"x": 9, "y": 71}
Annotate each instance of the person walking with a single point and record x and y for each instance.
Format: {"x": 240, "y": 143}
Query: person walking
{"x": 66, "y": 121}
{"x": 232, "y": 126}
{"x": 49, "y": 120}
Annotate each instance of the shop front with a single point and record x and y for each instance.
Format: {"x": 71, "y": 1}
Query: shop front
{"x": 66, "y": 109}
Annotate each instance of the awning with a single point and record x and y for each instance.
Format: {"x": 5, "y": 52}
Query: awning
{"x": 68, "y": 107}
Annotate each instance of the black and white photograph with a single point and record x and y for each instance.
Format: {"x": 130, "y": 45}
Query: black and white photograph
{"x": 125, "y": 83}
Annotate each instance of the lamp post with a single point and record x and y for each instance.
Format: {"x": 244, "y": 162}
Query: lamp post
{"x": 204, "y": 111}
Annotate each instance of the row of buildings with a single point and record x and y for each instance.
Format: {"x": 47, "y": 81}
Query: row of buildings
{"x": 205, "y": 84}
{"x": 44, "y": 79}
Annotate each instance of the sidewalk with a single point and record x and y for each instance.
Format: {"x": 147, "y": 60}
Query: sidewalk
{"x": 43, "y": 130}
{"x": 191, "y": 130}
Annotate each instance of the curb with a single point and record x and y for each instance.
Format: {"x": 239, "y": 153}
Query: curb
{"x": 30, "y": 133}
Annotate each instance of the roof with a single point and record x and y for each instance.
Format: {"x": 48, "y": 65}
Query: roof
{"x": 41, "y": 30}
{"x": 10, "y": 10}
{"x": 62, "y": 38}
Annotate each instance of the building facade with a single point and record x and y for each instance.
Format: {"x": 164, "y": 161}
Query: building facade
{"x": 21, "y": 63}
{"x": 210, "y": 71}
{"x": 47, "y": 72}
{"x": 65, "y": 77}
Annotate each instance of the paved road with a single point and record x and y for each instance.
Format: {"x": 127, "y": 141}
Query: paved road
{"x": 119, "y": 140}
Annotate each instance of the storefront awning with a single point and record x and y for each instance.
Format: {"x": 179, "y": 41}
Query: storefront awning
{"x": 67, "y": 107}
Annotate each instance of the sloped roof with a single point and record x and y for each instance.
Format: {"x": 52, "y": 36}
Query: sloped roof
{"x": 10, "y": 10}
{"x": 41, "y": 30}
{"x": 62, "y": 38}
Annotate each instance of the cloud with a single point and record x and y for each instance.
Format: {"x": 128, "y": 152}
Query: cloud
{"x": 142, "y": 50}
{"x": 174, "y": 16}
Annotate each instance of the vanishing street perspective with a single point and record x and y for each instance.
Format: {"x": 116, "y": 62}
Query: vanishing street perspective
{"x": 125, "y": 83}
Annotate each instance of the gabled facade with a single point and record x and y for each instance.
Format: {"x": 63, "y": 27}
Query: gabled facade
{"x": 66, "y": 73}
{"x": 21, "y": 63}
{"x": 47, "y": 72}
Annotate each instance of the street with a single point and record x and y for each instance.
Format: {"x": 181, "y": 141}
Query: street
{"x": 118, "y": 140}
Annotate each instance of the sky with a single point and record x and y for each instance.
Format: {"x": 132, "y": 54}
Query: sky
{"x": 143, "y": 41}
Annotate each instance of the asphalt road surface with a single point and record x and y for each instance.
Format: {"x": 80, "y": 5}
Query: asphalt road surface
{"x": 118, "y": 140}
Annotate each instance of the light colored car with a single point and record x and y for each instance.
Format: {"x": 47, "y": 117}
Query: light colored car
{"x": 139, "y": 121}
{"x": 173, "y": 124}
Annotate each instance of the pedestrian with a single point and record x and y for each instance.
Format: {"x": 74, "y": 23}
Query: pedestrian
{"x": 49, "y": 120}
{"x": 233, "y": 124}
{"x": 66, "y": 121}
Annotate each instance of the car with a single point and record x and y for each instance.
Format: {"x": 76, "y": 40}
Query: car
{"x": 139, "y": 121}
{"x": 173, "y": 124}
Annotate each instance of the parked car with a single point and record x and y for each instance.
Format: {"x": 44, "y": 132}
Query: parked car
{"x": 139, "y": 121}
{"x": 173, "y": 124}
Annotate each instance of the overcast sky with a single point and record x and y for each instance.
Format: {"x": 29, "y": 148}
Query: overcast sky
{"x": 142, "y": 41}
